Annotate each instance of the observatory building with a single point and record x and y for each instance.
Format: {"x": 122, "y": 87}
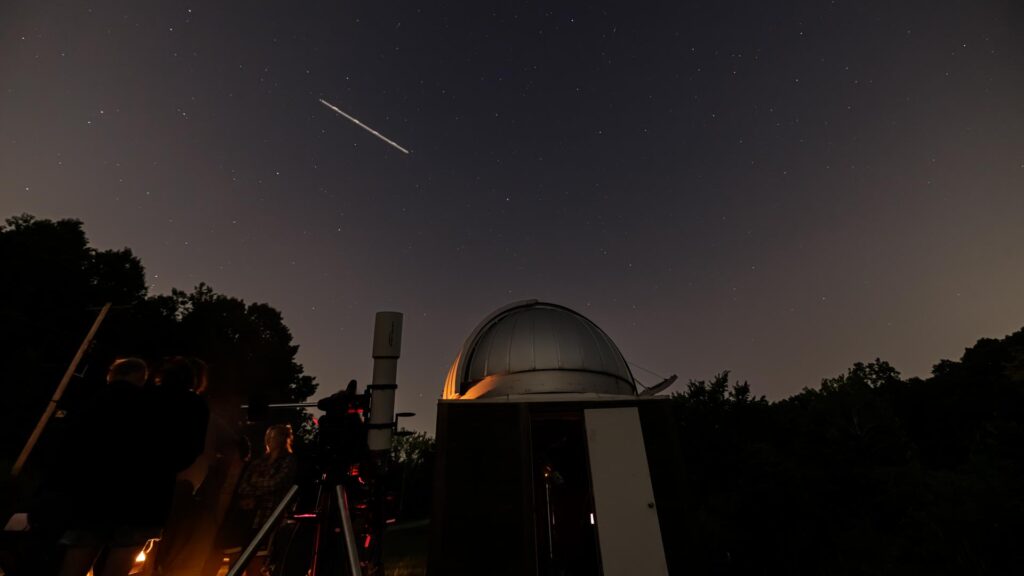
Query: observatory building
{"x": 549, "y": 460}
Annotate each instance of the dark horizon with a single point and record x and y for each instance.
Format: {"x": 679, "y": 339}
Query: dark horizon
{"x": 775, "y": 189}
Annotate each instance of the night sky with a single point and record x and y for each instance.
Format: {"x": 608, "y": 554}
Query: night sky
{"x": 778, "y": 188}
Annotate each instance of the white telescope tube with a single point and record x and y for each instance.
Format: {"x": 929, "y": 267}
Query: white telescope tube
{"x": 387, "y": 347}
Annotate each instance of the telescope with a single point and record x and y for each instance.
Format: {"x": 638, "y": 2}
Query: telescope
{"x": 353, "y": 452}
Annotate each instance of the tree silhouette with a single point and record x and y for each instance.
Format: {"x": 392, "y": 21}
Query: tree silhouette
{"x": 247, "y": 347}
{"x": 412, "y": 475}
{"x": 866, "y": 474}
{"x": 56, "y": 284}
{"x": 53, "y": 286}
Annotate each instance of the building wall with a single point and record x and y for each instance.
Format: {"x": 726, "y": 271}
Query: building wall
{"x": 484, "y": 518}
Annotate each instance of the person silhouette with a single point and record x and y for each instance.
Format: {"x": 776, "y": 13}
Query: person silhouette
{"x": 100, "y": 488}
{"x": 262, "y": 486}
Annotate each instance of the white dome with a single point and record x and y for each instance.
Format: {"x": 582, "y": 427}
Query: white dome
{"x": 537, "y": 348}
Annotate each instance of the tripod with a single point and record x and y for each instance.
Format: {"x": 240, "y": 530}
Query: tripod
{"x": 346, "y": 438}
{"x": 323, "y": 558}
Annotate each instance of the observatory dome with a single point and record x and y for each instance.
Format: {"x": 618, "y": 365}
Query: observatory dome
{"x": 534, "y": 347}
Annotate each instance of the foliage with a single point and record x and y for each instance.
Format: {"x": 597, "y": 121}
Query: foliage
{"x": 54, "y": 284}
{"x": 412, "y": 477}
{"x": 57, "y": 283}
{"x": 413, "y": 449}
{"x": 866, "y": 474}
{"x": 248, "y": 348}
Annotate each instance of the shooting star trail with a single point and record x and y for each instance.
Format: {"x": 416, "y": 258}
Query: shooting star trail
{"x": 360, "y": 124}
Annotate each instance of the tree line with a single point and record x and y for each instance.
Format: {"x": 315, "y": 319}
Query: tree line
{"x": 54, "y": 285}
{"x": 867, "y": 473}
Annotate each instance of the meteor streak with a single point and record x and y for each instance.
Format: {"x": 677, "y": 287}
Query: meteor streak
{"x": 360, "y": 124}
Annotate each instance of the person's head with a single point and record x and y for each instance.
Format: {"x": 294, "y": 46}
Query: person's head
{"x": 182, "y": 373}
{"x": 279, "y": 438}
{"x": 131, "y": 370}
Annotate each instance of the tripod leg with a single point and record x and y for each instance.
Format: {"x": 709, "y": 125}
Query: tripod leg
{"x": 242, "y": 560}
{"x": 350, "y": 536}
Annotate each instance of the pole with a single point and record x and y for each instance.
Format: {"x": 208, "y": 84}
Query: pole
{"x": 45, "y": 419}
